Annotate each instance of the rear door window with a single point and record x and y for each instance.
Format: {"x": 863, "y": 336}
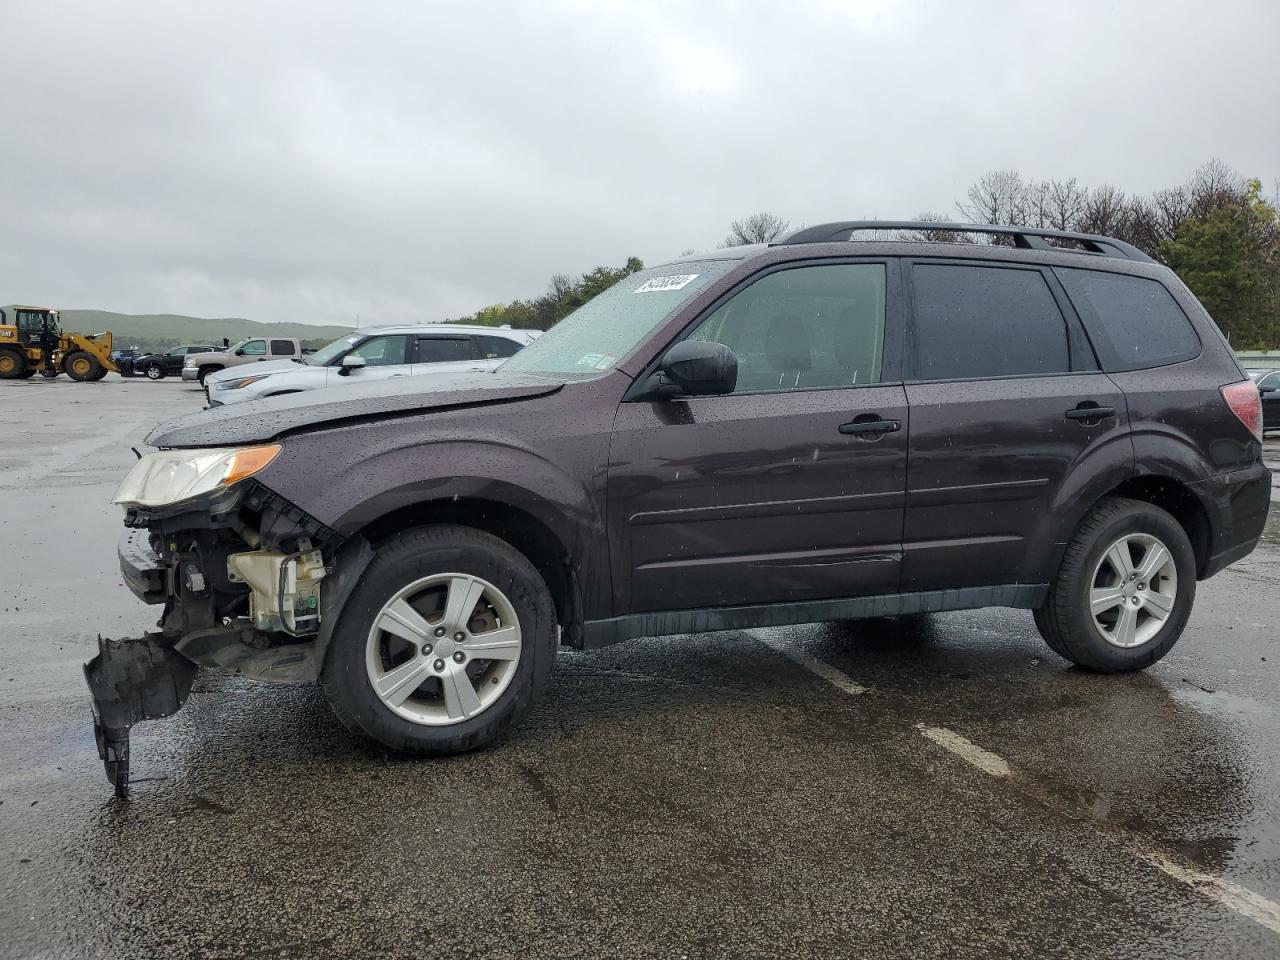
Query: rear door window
{"x": 446, "y": 349}
{"x": 973, "y": 322}
{"x": 493, "y": 347}
{"x": 1134, "y": 322}
{"x": 282, "y": 348}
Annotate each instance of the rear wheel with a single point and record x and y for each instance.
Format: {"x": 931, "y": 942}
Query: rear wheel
{"x": 155, "y": 371}
{"x": 444, "y": 644}
{"x": 13, "y": 365}
{"x": 81, "y": 365}
{"x": 1124, "y": 591}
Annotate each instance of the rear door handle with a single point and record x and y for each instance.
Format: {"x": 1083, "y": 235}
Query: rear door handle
{"x": 1091, "y": 412}
{"x": 862, "y": 426}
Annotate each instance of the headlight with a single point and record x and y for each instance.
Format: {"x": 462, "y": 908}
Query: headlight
{"x": 237, "y": 384}
{"x": 171, "y": 476}
{"x": 189, "y": 362}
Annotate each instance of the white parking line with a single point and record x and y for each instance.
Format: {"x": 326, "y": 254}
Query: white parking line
{"x": 967, "y": 750}
{"x": 1231, "y": 895}
{"x": 814, "y": 665}
{"x": 1238, "y": 898}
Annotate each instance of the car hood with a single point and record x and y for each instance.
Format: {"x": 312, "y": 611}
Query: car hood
{"x": 249, "y": 369}
{"x": 260, "y": 420}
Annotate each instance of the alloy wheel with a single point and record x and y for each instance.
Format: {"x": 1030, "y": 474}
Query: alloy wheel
{"x": 443, "y": 649}
{"x": 1133, "y": 590}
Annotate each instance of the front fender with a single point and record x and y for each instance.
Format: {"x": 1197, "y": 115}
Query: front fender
{"x": 349, "y": 477}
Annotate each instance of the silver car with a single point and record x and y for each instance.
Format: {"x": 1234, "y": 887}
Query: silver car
{"x": 375, "y": 353}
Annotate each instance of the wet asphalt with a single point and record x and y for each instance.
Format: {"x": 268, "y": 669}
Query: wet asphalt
{"x": 700, "y": 796}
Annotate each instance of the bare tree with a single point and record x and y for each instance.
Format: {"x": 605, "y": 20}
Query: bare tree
{"x": 1060, "y": 204}
{"x": 560, "y": 287}
{"x": 757, "y": 228}
{"x": 931, "y": 235}
{"x": 999, "y": 196}
{"x": 1214, "y": 185}
{"x": 1105, "y": 211}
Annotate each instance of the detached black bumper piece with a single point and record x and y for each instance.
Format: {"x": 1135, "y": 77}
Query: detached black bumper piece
{"x": 133, "y": 679}
{"x": 141, "y": 568}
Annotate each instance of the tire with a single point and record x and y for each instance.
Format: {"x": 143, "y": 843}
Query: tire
{"x": 205, "y": 371}
{"x": 30, "y": 372}
{"x": 81, "y": 365}
{"x": 13, "y": 365}
{"x": 101, "y": 374}
{"x": 154, "y": 371}
{"x": 1125, "y": 636}
{"x": 427, "y": 722}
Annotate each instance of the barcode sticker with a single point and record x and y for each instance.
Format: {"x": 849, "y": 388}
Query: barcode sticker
{"x": 656, "y": 284}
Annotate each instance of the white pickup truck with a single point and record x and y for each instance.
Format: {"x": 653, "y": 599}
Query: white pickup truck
{"x": 249, "y": 350}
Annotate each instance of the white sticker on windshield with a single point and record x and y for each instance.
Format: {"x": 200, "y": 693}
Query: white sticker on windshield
{"x": 655, "y": 284}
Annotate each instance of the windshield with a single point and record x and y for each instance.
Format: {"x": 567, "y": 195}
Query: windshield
{"x": 593, "y": 338}
{"x": 331, "y": 351}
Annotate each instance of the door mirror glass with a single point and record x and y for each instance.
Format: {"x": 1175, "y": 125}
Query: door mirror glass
{"x": 699, "y": 368}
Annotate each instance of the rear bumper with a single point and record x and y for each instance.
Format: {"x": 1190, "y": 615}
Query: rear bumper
{"x": 141, "y": 568}
{"x": 1237, "y": 504}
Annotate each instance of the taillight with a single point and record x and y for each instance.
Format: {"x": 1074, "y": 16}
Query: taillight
{"x": 1246, "y": 403}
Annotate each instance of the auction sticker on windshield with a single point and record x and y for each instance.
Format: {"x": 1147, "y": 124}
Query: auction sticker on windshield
{"x": 656, "y": 284}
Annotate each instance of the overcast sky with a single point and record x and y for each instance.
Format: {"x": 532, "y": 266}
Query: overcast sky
{"x": 409, "y": 161}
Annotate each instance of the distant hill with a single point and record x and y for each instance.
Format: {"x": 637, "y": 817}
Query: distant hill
{"x": 153, "y": 331}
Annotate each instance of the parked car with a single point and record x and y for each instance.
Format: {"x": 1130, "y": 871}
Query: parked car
{"x": 157, "y": 366}
{"x": 249, "y": 350}
{"x": 1268, "y": 382}
{"x": 810, "y": 430}
{"x": 123, "y": 359}
{"x": 366, "y": 356}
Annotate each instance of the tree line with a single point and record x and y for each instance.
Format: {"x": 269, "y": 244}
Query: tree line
{"x": 1216, "y": 231}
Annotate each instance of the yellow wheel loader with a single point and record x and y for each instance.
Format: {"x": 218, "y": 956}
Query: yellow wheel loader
{"x": 34, "y": 343}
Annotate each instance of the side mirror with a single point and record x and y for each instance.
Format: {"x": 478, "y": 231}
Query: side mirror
{"x": 240, "y": 352}
{"x": 1265, "y": 390}
{"x": 348, "y": 364}
{"x": 698, "y": 368}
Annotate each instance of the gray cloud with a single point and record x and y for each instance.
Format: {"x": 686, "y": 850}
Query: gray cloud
{"x": 409, "y": 161}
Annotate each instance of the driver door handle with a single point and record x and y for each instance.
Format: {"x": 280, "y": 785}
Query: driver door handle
{"x": 861, "y": 427}
{"x": 1090, "y": 413}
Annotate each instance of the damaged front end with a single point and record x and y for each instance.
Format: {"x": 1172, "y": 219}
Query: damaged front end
{"x": 239, "y": 571}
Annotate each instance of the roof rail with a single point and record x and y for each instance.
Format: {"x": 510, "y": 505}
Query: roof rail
{"x": 1028, "y": 238}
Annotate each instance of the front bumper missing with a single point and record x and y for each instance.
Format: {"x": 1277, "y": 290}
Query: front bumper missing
{"x": 131, "y": 680}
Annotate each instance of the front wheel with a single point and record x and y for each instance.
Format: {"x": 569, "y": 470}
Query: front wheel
{"x": 444, "y": 644}
{"x": 13, "y": 365}
{"x": 81, "y": 365}
{"x": 1124, "y": 591}
{"x": 155, "y": 371}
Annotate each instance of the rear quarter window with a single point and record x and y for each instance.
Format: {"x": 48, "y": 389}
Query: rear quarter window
{"x": 1134, "y": 322}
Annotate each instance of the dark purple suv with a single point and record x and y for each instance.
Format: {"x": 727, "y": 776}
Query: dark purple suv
{"x": 816, "y": 429}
